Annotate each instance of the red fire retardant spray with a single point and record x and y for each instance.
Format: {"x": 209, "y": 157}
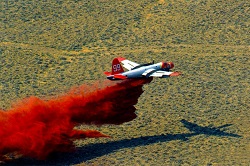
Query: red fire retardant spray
{"x": 35, "y": 128}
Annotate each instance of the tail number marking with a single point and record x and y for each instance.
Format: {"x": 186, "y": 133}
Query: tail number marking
{"x": 117, "y": 67}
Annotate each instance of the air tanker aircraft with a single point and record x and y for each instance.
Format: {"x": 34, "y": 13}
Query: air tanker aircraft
{"x": 135, "y": 70}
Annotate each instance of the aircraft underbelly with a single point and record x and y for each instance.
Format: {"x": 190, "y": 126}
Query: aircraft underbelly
{"x": 137, "y": 73}
{"x": 133, "y": 74}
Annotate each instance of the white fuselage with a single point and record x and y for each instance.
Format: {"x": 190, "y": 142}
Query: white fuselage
{"x": 135, "y": 73}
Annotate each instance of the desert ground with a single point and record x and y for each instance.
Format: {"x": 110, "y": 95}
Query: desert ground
{"x": 199, "y": 118}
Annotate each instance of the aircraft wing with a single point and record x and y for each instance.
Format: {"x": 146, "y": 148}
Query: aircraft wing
{"x": 159, "y": 73}
{"x": 127, "y": 63}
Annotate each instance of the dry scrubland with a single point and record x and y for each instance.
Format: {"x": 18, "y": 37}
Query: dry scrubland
{"x": 47, "y": 47}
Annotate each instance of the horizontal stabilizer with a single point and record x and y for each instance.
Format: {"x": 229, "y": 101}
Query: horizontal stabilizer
{"x": 119, "y": 76}
{"x": 107, "y": 73}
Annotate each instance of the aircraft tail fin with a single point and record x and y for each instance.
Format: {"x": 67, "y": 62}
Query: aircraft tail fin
{"x": 116, "y": 67}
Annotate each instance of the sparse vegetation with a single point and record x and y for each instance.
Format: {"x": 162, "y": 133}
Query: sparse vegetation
{"x": 46, "y": 47}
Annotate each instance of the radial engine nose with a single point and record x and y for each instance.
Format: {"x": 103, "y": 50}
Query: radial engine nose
{"x": 167, "y": 65}
{"x": 170, "y": 65}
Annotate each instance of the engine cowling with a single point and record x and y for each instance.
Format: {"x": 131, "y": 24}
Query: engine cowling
{"x": 167, "y": 65}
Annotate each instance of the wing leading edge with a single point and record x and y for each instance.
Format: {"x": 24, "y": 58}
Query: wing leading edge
{"x": 159, "y": 73}
{"x": 129, "y": 65}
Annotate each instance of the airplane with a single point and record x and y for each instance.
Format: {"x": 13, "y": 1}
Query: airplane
{"x": 216, "y": 131}
{"x": 135, "y": 70}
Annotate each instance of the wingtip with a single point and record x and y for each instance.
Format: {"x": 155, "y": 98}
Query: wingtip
{"x": 174, "y": 74}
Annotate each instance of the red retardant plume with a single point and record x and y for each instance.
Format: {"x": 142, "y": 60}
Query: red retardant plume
{"x": 36, "y": 128}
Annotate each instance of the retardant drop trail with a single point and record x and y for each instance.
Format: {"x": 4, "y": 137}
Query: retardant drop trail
{"x": 36, "y": 128}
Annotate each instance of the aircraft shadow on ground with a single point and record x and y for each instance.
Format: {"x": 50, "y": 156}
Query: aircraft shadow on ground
{"x": 91, "y": 151}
